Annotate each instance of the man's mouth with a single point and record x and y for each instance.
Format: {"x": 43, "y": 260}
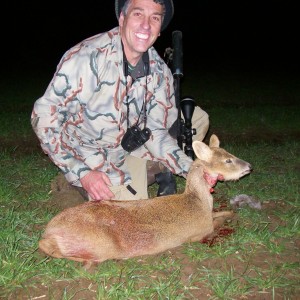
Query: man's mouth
{"x": 142, "y": 36}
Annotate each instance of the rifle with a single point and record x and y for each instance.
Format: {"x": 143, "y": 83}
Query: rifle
{"x": 185, "y": 106}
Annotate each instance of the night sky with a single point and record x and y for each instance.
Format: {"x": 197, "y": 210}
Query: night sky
{"x": 239, "y": 34}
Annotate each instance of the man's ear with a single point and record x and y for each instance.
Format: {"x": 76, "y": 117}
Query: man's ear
{"x": 121, "y": 19}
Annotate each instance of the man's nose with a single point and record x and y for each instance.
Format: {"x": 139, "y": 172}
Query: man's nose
{"x": 146, "y": 22}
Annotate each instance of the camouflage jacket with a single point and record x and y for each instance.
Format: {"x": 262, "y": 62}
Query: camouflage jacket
{"x": 82, "y": 117}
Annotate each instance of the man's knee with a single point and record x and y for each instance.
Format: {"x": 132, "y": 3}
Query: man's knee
{"x": 200, "y": 121}
{"x": 138, "y": 170}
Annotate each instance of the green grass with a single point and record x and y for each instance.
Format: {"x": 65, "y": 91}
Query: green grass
{"x": 258, "y": 120}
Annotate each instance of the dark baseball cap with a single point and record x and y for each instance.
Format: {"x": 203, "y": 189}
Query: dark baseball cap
{"x": 169, "y": 7}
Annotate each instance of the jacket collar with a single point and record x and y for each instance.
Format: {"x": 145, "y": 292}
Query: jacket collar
{"x": 140, "y": 70}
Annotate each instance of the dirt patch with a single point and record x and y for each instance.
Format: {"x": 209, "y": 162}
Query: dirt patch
{"x": 63, "y": 195}
{"x": 21, "y": 146}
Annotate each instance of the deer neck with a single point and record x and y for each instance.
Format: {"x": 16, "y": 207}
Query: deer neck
{"x": 199, "y": 185}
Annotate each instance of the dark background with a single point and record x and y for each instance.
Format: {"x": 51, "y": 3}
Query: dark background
{"x": 242, "y": 35}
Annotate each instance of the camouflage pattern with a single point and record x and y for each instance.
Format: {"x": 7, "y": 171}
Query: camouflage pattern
{"x": 82, "y": 117}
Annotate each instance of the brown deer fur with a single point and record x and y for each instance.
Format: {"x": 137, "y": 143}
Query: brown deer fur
{"x": 96, "y": 231}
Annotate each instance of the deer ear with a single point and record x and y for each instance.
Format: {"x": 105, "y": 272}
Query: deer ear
{"x": 214, "y": 141}
{"x": 202, "y": 151}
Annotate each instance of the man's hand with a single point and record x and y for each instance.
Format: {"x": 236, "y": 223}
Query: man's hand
{"x": 97, "y": 185}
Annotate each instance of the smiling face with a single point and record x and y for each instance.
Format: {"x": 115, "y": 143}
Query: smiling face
{"x": 140, "y": 28}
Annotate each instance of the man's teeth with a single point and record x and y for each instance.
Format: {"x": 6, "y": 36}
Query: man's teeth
{"x": 142, "y": 36}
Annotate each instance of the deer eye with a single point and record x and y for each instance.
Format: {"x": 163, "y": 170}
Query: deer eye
{"x": 228, "y": 161}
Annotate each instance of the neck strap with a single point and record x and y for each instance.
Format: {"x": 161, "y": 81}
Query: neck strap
{"x": 140, "y": 70}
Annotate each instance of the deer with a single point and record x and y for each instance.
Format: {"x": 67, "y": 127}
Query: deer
{"x": 96, "y": 231}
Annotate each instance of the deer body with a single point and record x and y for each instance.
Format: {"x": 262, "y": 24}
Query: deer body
{"x": 93, "y": 232}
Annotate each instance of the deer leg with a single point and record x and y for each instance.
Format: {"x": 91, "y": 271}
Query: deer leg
{"x": 220, "y": 217}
